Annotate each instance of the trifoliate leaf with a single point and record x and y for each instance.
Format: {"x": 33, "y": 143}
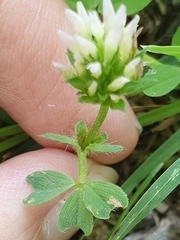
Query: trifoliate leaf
{"x": 47, "y": 185}
{"x": 101, "y": 198}
{"x": 75, "y": 214}
{"x": 104, "y": 148}
{"x": 59, "y": 138}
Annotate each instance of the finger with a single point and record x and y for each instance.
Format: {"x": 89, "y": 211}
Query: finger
{"x": 22, "y": 222}
{"x": 33, "y": 92}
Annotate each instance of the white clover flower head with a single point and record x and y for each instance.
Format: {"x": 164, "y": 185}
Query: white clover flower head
{"x": 102, "y": 52}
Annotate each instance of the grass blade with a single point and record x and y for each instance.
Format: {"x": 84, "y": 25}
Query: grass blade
{"x": 10, "y": 130}
{"x": 5, "y": 117}
{"x": 13, "y": 141}
{"x": 161, "y": 155}
{"x": 162, "y": 187}
{"x": 159, "y": 114}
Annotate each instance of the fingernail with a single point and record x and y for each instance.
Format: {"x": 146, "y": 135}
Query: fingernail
{"x": 49, "y": 225}
{"x": 138, "y": 126}
{"x": 104, "y": 173}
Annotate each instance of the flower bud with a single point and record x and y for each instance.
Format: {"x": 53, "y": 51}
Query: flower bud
{"x": 118, "y": 83}
{"x": 65, "y": 71}
{"x": 114, "y": 97}
{"x": 78, "y": 23}
{"x": 126, "y": 44}
{"x": 97, "y": 28}
{"x": 95, "y": 69}
{"x": 78, "y": 64}
{"x": 92, "y": 89}
{"x": 87, "y": 47}
{"x": 69, "y": 41}
{"x": 130, "y": 70}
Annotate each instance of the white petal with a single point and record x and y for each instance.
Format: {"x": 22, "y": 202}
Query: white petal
{"x": 92, "y": 89}
{"x": 108, "y": 14}
{"x": 132, "y": 25}
{"x": 78, "y": 23}
{"x": 120, "y": 17}
{"x": 95, "y": 69}
{"x": 97, "y": 28}
{"x": 68, "y": 41}
{"x": 115, "y": 98}
{"x": 87, "y": 47}
{"x": 78, "y": 64}
{"x": 118, "y": 83}
{"x": 130, "y": 69}
{"x": 83, "y": 14}
{"x": 127, "y": 42}
{"x": 78, "y": 57}
{"x": 111, "y": 43}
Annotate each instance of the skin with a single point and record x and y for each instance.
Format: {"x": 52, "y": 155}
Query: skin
{"x": 33, "y": 93}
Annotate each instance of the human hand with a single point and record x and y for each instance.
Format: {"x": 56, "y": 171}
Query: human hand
{"x": 34, "y": 95}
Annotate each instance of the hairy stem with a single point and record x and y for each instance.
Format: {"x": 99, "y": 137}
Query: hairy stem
{"x": 81, "y": 151}
{"x": 96, "y": 125}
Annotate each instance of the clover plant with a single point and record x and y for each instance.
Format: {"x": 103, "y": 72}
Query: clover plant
{"x": 106, "y": 66}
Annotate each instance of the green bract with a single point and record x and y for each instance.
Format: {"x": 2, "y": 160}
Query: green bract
{"x": 102, "y": 54}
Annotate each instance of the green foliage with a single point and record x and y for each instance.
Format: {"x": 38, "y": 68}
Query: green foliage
{"x": 101, "y": 198}
{"x": 160, "y": 189}
{"x": 88, "y": 4}
{"x": 59, "y": 138}
{"x": 90, "y": 199}
{"x": 100, "y": 139}
{"x": 176, "y": 38}
{"x": 147, "y": 170}
{"x": 104, "y": 148}
{"x": 160, "y": 156}
{"x": 47, "y": 185}
{"x": 168, "y": 50}
{"x": 81, "y": 132}
{"x": 75, "y": 214}
{"x": 94, "y": 198}
{"x": 13, "y": 141}
{"x": 133, "y": 6}
{"x": 160, "y": 113}
{"x": 165, "y": 79}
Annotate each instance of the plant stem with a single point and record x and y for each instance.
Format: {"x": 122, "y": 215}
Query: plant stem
{"x": 82, "y": 166}
{"x": 81, "y": 151}
{"x": 96, "y": 125}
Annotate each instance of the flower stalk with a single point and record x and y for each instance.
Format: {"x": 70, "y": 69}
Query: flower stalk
{"x": 96, "y": 125}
